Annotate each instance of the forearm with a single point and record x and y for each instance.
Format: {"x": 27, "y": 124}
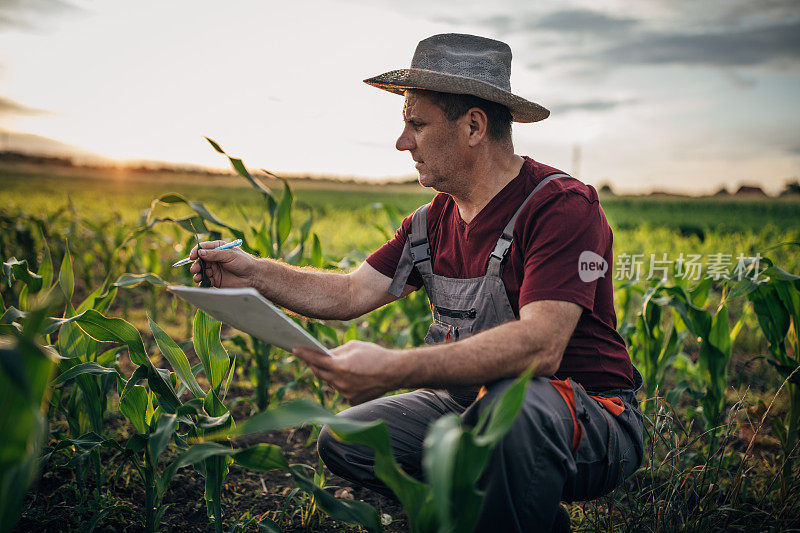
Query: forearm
{"x": 306, "y": 291}
{"x": 501, "y": 352}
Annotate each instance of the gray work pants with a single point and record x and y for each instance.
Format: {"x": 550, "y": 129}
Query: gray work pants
{"x": 531, "y": 470}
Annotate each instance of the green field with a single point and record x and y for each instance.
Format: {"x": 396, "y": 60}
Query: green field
{"x": 345, "y": 213}
{"x": 720, "y": 400}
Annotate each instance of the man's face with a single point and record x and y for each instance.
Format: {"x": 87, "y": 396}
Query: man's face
{"x": 433, "y": 141}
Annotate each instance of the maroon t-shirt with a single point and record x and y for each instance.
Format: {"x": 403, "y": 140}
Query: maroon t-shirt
{"x": 562, "y": 220}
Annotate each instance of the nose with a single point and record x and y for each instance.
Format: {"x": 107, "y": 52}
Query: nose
{"x": 406, "y": 140}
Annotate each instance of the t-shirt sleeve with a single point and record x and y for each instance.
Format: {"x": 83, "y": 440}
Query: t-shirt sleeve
{"x": 386, "y": 258}
{"x": 563, "y": 228}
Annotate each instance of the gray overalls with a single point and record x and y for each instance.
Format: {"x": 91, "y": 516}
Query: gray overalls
{"x": 548, "y": 456}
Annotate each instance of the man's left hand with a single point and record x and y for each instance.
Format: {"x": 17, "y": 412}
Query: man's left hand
{"x": 360, "y": 371}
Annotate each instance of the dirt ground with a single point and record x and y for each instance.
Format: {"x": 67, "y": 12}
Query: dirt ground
{"x": 53, "y": 504}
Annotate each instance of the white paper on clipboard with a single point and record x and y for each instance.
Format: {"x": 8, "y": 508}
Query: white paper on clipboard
{"x": 246, "y": 310}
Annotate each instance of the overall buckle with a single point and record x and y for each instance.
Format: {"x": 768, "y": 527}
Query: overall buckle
{"x": 502, "y": 247}
{"x": 420, "y": 251}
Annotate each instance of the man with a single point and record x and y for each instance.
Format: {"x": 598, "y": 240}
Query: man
{"x": 498, "y": 252}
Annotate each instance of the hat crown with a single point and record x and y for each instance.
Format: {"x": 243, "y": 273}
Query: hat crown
{"x": 468, "y": 56}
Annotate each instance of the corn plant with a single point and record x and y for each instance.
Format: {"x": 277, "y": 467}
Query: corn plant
{"x": 154, "y": 411}
{"x": 654, "y": 345}
{"x": 25, "y": 370}
{"x": 271, "y": 238}
{"x": 219, "y": 370}
{"x": 454, "y": 456}
{"x": 715, "y": 335}
{"x": 776, "y": 302}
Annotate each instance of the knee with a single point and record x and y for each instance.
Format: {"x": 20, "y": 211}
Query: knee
{"x": 328, "y": 448}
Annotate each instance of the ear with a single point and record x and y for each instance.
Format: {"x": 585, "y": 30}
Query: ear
{"x": 478, "y": 124}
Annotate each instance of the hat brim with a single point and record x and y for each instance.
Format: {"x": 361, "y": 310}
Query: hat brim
{"x": 398, "y": 81}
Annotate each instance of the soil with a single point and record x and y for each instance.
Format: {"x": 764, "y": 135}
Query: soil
{"x": 55, "y": 504}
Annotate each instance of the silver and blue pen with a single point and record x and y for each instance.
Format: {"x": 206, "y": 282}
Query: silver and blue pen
{"x": 232, "y": 244}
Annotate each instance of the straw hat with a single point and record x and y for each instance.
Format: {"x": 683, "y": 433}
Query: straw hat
{"x": 462, "y": 64}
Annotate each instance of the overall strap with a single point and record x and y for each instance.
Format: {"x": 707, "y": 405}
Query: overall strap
{"x": 501, "y": 249}
{"x": 416, "y": 253}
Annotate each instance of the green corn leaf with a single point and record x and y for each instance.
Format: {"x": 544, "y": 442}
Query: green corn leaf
{"x": 65, "y": 276}
{"x": 139, "y": 375}
{"x": 177, "y": 359}
{"x": 317, "y": 259}
{"x": 214, "y": 423}
{"x": 455, "y": 457}
{"x": 699, "y": 294}
{"x": 133, "y": 404}
{"x": 305, "y": 229}
{"x": 720, "y": 334}
{"x": 105, "y": 329}
{"x": 439, "y": 462}
{"x": 231, "y": 373}
{"x": 109, "y": 356}
{"x": 202, "y": 211}
{"x": 159, "y": 439}
{"x": 773, "y": 317}
{"x": 742, "y": 287}
{"x": 348, "y": 511}
{"x": 104, "y": 301}
{"x": 12, "y": 315}
{"x": 267, "y": 525}
{"x": 697, "y": 320}
{"x": 213, "y": 406}
{"x": 780, "y": 274}
{"x": 283, "y": 215}
{"x": 215, "y": 145}
{"x": 89, "y": 301}
{"x": 262, "y": 457}
{"x": 207, "y": 345}
{"x": 23, "y": 425}
{"x": 46, "y": 268}
{"x": 91, "y": 405}
{"x": 15, "y": 269}
{"x": 91, "y": 368}
{"x": 195, "y": 454}
{"x": 240, "y": 169}
{"x": 375, "y": 435}
{"x": 506, "y": 410}
{"x": 74, "y": 344}
{"x": 790, "y": 297}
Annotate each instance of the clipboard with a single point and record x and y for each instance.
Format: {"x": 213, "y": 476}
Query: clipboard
{"x": 246, "y": 310}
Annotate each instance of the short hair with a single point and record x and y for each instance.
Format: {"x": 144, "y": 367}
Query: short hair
{"x": 454, "y": 106}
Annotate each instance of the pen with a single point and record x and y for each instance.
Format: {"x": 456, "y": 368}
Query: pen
{"x": 232, "y": 244}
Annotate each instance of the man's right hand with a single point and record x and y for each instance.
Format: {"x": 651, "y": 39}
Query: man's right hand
{"x": 225, "y": 268}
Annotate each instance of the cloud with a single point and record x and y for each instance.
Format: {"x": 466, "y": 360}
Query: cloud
{"x": 590, "y": 106}
{"x": 731, "y": 48}
{"x": 574, "y": 21}
{"x": 40, "y": 145}
{"x": 10, "y": 107}
{"x": 583, "y": 21}
{"x": 735, "y": 33}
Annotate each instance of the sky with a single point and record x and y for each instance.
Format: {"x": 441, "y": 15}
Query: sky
{"x": 673, "y": 95}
